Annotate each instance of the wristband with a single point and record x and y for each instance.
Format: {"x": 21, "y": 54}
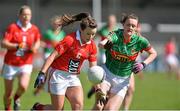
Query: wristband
{"x": 40, "y": 72}
{"x": 17, "y": 46}
{"x": 144, "y": 64}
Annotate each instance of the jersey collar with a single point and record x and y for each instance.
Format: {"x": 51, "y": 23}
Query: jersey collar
{"x": 29, "y": 25}
{"x": 78, "y": 37}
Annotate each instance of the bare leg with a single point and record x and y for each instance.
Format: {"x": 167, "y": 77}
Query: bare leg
{"x": 129, "y": 95}
{"x": 8, "y": 84}
{"x": 75, "y": 96}
{"x": 57, "y": 104}
{"x": 114, "y": 103}
{"x": 178, "y": 74}
{"x": 23, "y": 84}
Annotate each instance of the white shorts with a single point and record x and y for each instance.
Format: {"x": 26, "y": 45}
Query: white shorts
{"x": 9, "y": 71}
{"x": 102, "y": 58}
{"x": 172, "y": 60}
{"x": 115, "y": 84}
{"x": 46, "y": 55}
{"x": 58, "y": 81}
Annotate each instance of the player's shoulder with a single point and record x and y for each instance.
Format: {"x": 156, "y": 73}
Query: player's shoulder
{"x": 71, "y": 37}
{"x": 35, "y": 27}
{"x": 140, "y": 38}
{"x": 12, "y": 25}
{"x": 117, "y": 31}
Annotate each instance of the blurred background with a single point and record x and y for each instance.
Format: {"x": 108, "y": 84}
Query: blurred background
{"x": 160, "y": 20}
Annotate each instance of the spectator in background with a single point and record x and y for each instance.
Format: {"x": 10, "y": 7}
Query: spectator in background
{"x": 50, "y": 39}
{"x": 22, "y": 40}
{"x": 52, "y": 36}
{"x": 171, "y": 59}
{"x": 103, "y": 32}
{"x": 122, "y": 48}
{"x": 62, "y": 67}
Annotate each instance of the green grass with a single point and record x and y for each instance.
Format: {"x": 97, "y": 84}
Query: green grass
{"x": 155, "y": 91}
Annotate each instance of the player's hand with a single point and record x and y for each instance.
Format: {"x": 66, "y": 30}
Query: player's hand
{"x": 101, "y": 97}
{"x": 32, "y": 50}
{"x": 39, "y": 80}
{"x": 21, "y": 46}
{"x": 108, "y": 45}
{"x": 138, "y": 66}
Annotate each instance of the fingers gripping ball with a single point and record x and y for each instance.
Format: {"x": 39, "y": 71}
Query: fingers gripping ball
{"x": 101, "y": 97}
{"x": 96, "y": 74}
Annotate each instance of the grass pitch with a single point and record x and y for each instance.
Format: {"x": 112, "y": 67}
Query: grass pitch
{"x": 154, "y": 92}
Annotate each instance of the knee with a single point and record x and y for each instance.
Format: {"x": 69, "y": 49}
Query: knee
{"x": 77, "y": 106}
{"x": 23, "y": 88}
{"x": 130, "y": 91}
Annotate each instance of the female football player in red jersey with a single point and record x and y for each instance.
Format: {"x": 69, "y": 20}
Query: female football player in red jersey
{"x": 51, "y": 38}
{"x": 171, "y": 59}
{"x": 62, "y": 67}
{"x": 21, "y": 39}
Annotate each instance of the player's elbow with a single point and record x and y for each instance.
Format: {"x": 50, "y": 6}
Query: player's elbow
{"x": 3, "y": 44}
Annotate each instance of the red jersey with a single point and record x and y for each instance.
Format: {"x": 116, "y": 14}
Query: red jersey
{"x": 73, "y": 53}
{"x": 170, "y": 48}
{"x": 15, "y": 34}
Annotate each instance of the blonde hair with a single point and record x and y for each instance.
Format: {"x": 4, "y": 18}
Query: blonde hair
{"x": 23, "y": 8}
{"x": 55, "y": 18}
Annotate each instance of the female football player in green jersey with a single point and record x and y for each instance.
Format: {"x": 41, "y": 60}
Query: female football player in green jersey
{"x": 122, "y": 48}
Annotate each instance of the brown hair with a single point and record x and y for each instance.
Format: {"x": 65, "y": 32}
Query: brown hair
{"x": 128, "y": 16}
{"x": 85, "y": 18}
{"x": 88, "y": 22}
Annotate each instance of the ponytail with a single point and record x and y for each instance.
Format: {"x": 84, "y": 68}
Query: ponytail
{"x": 67, "y": 19}
{"x": 80, "y": 16}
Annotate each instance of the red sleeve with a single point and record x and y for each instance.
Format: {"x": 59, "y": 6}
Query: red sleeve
{"x": 93, "y": 54}
{"x": 37, "y": 32}
{"x": 64, "y": 45}
{"x": 9, "y": 32}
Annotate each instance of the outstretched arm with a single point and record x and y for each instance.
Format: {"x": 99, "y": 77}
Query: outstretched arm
{"x": 49, "y": 61}
{"x": 139, "y": 66}
{"x": 151, "y": 57}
